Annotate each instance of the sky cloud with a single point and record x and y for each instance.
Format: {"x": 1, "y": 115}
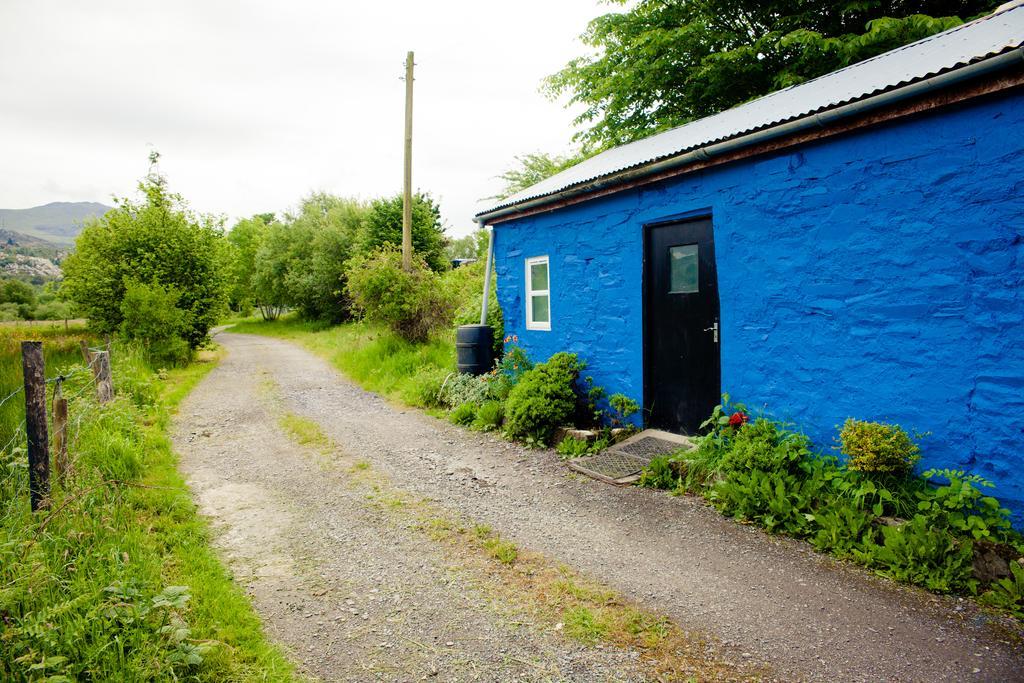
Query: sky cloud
{"x": 254, "y": 104}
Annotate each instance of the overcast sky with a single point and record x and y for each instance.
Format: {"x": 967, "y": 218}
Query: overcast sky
{"x": 254, "y": 104}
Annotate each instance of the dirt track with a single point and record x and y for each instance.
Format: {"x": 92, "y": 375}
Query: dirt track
{"x": 357, "y": 598}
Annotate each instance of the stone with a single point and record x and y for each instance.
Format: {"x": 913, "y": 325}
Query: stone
{"x": 989, "y": 565}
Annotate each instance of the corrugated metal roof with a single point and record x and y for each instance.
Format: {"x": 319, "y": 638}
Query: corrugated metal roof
{"x": 971, "y": 42}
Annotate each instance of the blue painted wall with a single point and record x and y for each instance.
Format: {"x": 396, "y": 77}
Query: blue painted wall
{"x": 877, "y": 275}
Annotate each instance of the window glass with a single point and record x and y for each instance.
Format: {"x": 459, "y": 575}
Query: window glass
{"x": 683, "y": 269}
{"x": 541, "y": 313}
{"x": 539, "y": 276}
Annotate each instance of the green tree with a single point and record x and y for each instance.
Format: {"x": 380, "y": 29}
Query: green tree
{"x": 530, "y": 169}
{"x": 325, "y": 230}
{"x": 156, "y": 240}
{"x": 383, "y": 226}
{"x": 666, "y": 62}
{"x": 244, "y": 241}
{"x": 473, "y": 245}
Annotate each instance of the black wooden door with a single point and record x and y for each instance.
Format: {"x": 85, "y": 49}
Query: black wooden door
{"x": 682, "y": 365}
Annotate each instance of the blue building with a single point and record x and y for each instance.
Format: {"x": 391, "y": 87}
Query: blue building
{"x": 849, "y": 247}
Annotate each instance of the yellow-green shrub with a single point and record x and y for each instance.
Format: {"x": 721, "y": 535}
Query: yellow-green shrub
{"x": 878, "y": 447}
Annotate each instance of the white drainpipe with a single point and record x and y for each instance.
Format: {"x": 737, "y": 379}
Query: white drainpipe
{"x": 487, "y": 273}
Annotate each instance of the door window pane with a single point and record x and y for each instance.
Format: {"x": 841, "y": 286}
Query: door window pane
{"x": 682, "y": 262}
{"x": 539, "y": 276}
{"x": 540, "y": 308}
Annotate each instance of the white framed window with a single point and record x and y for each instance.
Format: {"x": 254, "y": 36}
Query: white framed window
{"x": 538, "y": 293}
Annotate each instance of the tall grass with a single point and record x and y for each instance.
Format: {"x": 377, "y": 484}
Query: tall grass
{"x": 372, "y": 355}
{"x": 116, "y": 581}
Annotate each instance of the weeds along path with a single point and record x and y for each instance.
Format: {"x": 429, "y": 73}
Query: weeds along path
{"x": 358, "y": 579}
{"x": 330, "y": 539}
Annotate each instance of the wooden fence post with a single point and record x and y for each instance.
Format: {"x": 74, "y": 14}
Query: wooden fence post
{"x": 104, "y": 382}
{"x": 86, "y": 354}
{"x": 35, "y": 424}
{"x": 60, "y": 432}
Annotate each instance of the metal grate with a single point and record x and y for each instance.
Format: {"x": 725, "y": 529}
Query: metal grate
{"x": 612, "y": 466}
{"x": 649, "y": 447}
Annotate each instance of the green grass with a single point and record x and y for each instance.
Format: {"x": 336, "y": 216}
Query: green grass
{"x": 375, "y": 357}
{"x": 305, "y": 432}
{"x": 117, "y": 581}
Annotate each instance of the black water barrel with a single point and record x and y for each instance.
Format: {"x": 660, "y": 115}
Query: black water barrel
{"x": 474, "y": 346}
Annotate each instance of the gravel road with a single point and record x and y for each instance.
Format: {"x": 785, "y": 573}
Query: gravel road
{"x": 356, "y": 598}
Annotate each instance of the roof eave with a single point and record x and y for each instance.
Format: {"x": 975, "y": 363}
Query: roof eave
{"x": 820, "y": 120}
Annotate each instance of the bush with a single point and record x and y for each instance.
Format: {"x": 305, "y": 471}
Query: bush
{"x": 511, "y": 366}
{"x": 878, "y": 447}
{"x": 462, "y": 388}
{"x": 425, "y": 389}
{"x": 158, "y": 240}
{"x": 764, "y": 445}
{"x": 466, "y": 287}
{"x": 412, "y": 303}
{"x": 544, "y": 399}
{"x": 149, "y": 313}
{"x": 489, "y": 416}
{"x": 463, "y": 414}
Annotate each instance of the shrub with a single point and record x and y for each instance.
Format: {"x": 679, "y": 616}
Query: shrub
{"x": 425, "y": 387}
{"x": 661, "y": 473}
{"x": 412, "y": 303}
{"x": 462, "y": 388}
{"x": 623, "y": 408}
{"x": 150, "y": 314}
{"x": 544, "y": 399}
{"x": 878, "y": 447}
{"x": 463, "y": 414}
{"x": 764, "y": 445}
{"x": 489, "y": 416}
{"x": 156, "y": 240}
{"x": 511, "y": 366}
{"x": 466, "y": 287}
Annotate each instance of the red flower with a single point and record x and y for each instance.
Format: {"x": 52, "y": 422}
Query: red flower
{"x": 737, "y": 419}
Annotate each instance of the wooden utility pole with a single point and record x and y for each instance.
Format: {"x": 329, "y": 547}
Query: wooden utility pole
{"x": 34, "y": 372}
{"x": 407, "y": 185}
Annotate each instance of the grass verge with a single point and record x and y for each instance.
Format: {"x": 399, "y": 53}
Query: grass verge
{"x": 117, "y": 581}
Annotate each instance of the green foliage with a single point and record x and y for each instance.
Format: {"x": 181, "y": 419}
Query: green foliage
{"x": 530, "y": 169}
{"x": 907, "y": 528}
{"x": 412, "y": 303}
{"x": 323, "y": 238}
{"x": 383, "y": 227}
{"x": 244, "y": 243}
{"x": 17, "y": 292}
{"x": 511, "y": 366}
{"x": 150, "y": 314}
{"x": 623, "y": 408}
{"x": 463, "y": 414}
{"x": 543, "y": 399}
{"x": 878, "y": 447}
{"x": 764, "y": 445}
{"x": 961, "y": 506}
{"x": 664, "y": 63}
{"x": 489, "y": 416}
{"x": 157, "y": 240}
{"x": 425, "y": 387}
{"x": 661, "y": 473}
{"x": 471, "y": 246}
{"x": 119, "y": 582}
{"x": 465, "y": 286}
{"x": 462, "y": 388}
{"x": 1008, "y": 593}
{"x": 571, "y": 447}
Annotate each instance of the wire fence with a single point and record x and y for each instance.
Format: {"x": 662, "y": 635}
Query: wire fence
{"x": 44, "y": 422}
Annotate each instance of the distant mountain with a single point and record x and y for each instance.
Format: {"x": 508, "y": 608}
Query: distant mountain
{"x": 56, "y": 222}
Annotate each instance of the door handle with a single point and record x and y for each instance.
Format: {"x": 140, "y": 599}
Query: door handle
{"x": 713, "y": 328}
